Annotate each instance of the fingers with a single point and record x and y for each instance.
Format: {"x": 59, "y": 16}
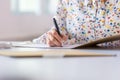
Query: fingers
{"x": 54, "y": 39}
{"x": 50, "y": 43}
{"x": 57, "y": 36}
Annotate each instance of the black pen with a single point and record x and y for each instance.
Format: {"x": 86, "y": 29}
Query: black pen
{"x": 56, "y": 26}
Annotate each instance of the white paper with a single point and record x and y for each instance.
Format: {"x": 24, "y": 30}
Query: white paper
{"x": 43, "y": 46}
{"x": 5, "y": 45}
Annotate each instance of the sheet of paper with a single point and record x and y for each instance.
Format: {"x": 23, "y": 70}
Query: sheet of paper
{"x": 43, "y": 46}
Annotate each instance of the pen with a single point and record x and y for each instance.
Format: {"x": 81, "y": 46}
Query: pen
{"x": 56, "y": 26}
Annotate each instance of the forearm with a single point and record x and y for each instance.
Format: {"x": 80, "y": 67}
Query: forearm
{"x": 41, "y": 39}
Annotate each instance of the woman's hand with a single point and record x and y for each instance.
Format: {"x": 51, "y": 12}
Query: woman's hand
{"x": 53, "y": 39}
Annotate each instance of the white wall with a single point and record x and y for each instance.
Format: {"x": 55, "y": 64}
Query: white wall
{"x": 24, "y": 27}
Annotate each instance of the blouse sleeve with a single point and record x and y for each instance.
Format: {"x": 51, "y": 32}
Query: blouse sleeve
{"x": 61, "y": 20}
{"x": 113, "y": 22}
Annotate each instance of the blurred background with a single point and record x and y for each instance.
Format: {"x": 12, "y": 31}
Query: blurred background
{"x": 25, "y": 19}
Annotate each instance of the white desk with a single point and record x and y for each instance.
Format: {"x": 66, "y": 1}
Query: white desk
{"x": 89, "y": 68}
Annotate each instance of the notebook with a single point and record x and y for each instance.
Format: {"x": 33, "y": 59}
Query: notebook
{"x": 75, "y": 46}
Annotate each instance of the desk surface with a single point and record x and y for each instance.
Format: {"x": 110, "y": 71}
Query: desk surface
{"x": 80, "y": 68}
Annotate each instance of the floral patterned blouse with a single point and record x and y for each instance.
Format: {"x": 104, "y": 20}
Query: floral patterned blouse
{"x": 87, "y": 20}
